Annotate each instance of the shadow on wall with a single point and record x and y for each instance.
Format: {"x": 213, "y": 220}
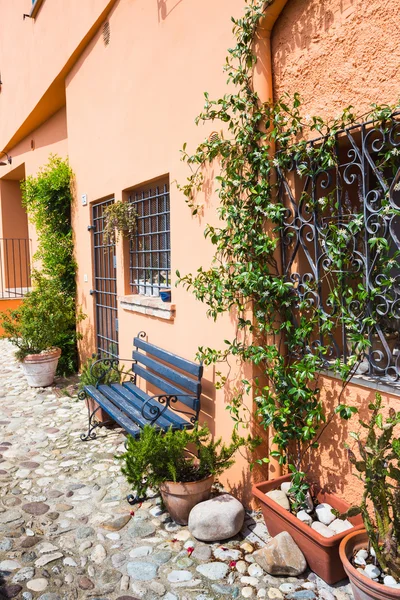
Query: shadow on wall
{"x": 311, "y": 21}
{"x": 165, "y": 8}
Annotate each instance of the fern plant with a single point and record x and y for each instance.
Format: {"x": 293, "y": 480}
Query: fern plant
{"x": 180, "y": 455}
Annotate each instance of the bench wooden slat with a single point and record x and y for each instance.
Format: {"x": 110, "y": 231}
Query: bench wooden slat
{"x": 128, "y": 399}
{"x": 185, "y": 382}
{"x": 122, "y": 419}
{"x": 177, "y": 361}
{"x": 190, "y": 401}
{"x": 169, "y": 414}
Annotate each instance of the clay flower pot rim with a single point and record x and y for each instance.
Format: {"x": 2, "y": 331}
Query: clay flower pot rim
{"x": 168, "y": 482}
{"x": 356, "y": 575}
{"x": 43, "y": 356}
{"x": 289, "y": 516}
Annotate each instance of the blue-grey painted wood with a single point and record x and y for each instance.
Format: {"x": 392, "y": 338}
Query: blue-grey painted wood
{"x": 172, "y": 416}
{"x": 130, "y": 403}
{"x": 162, "y": 370}
{"x": 163, "y": 385}
{"x": 193, "y": 368}
{"x": 119, "y": 417}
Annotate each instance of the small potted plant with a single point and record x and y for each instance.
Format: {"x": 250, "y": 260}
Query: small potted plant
{"x": 371, "y": 558}
{"x": 35, "y": 329}
{"x": 182, "y": 464}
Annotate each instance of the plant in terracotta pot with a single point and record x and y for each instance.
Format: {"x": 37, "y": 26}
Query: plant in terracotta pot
{"x": 37, "y": 328}
{"x": 371, "y": 558}
{"x": 182, "y": 464}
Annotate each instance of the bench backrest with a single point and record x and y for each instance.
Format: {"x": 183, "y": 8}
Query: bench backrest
{"x": 168, "y": 372}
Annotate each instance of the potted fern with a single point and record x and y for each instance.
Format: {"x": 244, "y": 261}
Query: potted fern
{"x": 181, "y": 464}
{"x": 371, "y": 558}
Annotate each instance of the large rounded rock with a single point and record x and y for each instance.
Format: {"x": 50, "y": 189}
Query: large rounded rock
{"x": 281, "y": 556}
{"x": 217, "y": 519}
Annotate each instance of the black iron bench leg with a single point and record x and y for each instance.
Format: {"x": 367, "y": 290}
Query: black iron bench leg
{"x": 131, "y": 499}
{"x": 91, "y": 434}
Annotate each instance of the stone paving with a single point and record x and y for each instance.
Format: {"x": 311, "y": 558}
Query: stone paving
{"x": 67, "y": 532}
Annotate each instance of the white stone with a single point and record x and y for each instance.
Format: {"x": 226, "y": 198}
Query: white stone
{"x": 98, "y": 554}
{"x": 261, "y": 593}
{"x": 85, "y": 546}
{"x": 280, "y": 498}
{"x": 241, "y": 566}
{"x": 177, "y": 576}
{"x": 360, "y": 561}
{"x": 372, "y": 571}
{"x": 362, "y": 554}
{"x": 255, "y": 570}
{"x": 48, "y": 558}
{"x": 322, "y": 529}
{"x": 249, "y": 581}
{"x": 9, "y": 565}
{"x": 69, "y": 562}
{"x": 213, "y": 571}
{"x": 247, "y": 592}
{"x": 324, "y": 513}
{"x": 222, "y": 553}
{"x": 389, "y": 580}
{"x": 141, "y": 551}
{"x": 287, "y": 588}
{"x": 304, "y": 517}
{"x": 37, "y": 585}
{"x": 46, "y": 548}
{"x": 339, "y": 525}
{"x": 285, "y": 487}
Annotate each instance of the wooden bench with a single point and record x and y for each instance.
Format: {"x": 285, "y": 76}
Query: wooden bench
{"x": 176, "y": 381}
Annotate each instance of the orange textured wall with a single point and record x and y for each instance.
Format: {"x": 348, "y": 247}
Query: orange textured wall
{"x": 337, "y": 53}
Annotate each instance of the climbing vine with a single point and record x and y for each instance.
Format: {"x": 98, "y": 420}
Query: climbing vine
{"x": 48, "y": 199}
{"x": 275, "y": 325}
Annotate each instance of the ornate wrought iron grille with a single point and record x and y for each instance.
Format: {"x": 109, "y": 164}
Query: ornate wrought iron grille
{"x": 150, "y": 267}
{"x": 358, "y": 185}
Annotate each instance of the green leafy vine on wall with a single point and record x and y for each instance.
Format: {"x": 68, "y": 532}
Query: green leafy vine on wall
{"x": 48, "y": 198}
{"x": 245, "y": 277}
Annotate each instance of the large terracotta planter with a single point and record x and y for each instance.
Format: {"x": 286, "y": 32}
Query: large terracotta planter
{"x": 40, "y": 369}
{"x": 322, "y": 554}
{"x": 100, "y": 416}
{"x": 180, "y": 498}
{"x": 363, "y": 587}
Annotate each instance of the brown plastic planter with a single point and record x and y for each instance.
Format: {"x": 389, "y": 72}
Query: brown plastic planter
{"x": 322, "y": 554}
{"x": 363, "y": 587}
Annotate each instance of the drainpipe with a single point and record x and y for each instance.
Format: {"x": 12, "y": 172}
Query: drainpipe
{"x": 262, "y": 81}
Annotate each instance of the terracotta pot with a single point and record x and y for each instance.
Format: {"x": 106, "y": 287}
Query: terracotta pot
{"x": 322, "y": 554}
{"x": 180, "y": 498}
{"x": 40, "y": 369}
{"x": 101, "y": 416}
{"x": 363, "y": 587}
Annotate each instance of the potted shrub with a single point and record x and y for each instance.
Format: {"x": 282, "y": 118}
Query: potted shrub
{"x": 371, "y": 558}
{"x": 182, "y": 464}
{"x": 36, "y": 328}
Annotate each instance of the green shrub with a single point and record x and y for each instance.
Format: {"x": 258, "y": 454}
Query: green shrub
{"x": 90, "y": 375}
{"x": 157, "y": 457}
{"x": 44, "y": 320}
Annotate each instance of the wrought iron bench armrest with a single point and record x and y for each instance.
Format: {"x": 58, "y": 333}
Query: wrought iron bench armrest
{"x": 105, "y": 366}
{"x": 167, "y": 401}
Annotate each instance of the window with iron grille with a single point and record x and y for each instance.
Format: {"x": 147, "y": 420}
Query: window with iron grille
{"x": 357, "y": 185}
{"x": 150, "y": 262}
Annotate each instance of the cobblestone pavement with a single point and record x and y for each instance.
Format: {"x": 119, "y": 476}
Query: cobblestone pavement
{"x": 66, "y": 530}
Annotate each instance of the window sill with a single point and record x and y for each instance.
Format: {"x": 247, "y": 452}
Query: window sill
{"x": 149, "y": 306}
{"x": 35, "y": 8}
{"x": 379, "y": 384}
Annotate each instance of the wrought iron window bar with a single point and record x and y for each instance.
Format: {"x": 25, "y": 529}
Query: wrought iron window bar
{"x": 357, "y": 184}
{"x": 150, "y": 250}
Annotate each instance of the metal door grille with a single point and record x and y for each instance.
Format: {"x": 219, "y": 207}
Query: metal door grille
{"x": 105, "y": 282}
{"x": 150, "y": 268}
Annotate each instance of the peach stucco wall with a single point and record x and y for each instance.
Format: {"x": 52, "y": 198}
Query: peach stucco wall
{"x": 337, "y": 53}
{"x": 122, "y": 111}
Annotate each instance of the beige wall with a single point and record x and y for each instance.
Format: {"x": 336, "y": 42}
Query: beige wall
{"x": 336, "y": 53}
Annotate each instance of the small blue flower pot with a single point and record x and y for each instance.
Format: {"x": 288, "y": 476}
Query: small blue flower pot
{"x": 165, "y": 295}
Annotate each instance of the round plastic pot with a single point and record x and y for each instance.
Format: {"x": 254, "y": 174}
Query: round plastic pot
{"x": 40, "y": 369}
{"x": 363, "y": 587}
{"x": 180, "y": 498}
{"x": 321, "y": 553}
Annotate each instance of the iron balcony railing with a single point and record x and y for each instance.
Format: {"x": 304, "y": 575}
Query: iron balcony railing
{"x": 15, "y": 267}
